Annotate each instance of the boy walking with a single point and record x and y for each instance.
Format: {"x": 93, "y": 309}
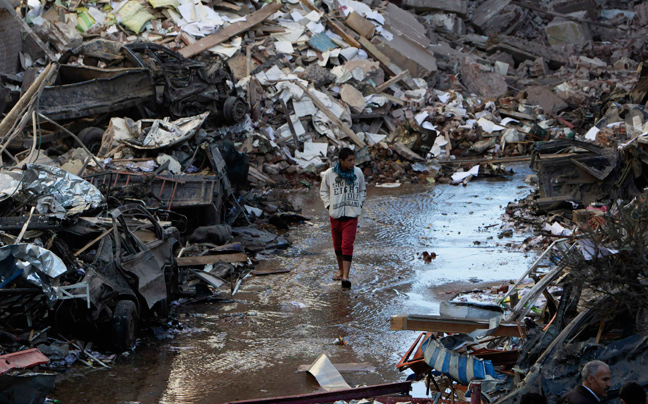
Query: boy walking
{"x": 343, "y": 192}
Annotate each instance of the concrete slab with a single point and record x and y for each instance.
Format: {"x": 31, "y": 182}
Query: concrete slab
{"x": 409, "y": 55}
{"x": 403, "y": 23}
{"x": 562, "y": 32}
{"x": 495, "y": 16}
{"x": 482, "y": 81}
{"x": 550, "y": 102}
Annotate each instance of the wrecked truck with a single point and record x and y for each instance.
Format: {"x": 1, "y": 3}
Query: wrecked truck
{"x": 100, "y": 78}
{"x": 132, "y": 275}
{"x": 104, "y": 289}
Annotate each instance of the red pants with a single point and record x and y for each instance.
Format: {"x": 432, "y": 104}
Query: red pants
{"x": 343, "y": 231}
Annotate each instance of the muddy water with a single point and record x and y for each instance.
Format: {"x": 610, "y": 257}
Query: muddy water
{"x": 252, "y": 346}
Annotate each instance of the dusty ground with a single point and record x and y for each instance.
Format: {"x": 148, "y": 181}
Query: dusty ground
{"x": 252, "y": 346}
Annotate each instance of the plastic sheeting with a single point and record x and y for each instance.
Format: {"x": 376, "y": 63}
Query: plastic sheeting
{"x": 73, "y": 193}
{"x": 460, "y": 367}
{"x": 37, "y": 265}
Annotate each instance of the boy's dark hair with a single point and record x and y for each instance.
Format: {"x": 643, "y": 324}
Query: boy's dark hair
{"x": 633, "y": 393}
{"x": 345, "y": 152}
{"x": 533, "y": 398}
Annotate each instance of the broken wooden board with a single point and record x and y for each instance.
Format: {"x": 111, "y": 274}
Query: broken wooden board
{"x": 386, "y": 63}
{"x": 392, "y": 81}
{"x": 345, "y": 367}
{"x": 360, "y": 25}
{"x": 452, "y": 325}
{"x": 211, "y": 259}
{"x": 337, "y": 28}
{"x": 230, "y": 31}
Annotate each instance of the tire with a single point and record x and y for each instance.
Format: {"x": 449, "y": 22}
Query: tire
{"x": 124, "y": 325}
{"x": 91, "y": 138}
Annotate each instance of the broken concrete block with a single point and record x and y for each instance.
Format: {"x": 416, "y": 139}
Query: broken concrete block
{"x": 540, "y": 67}
{"x": 641, "y": 13}
{"x": 522, "y": 50}
{"x": 65, "y": 37}
{"x": 405, "y": 24}
{"x": 449, "y": 22}
{"x": 352, "y": 97}
{"x": 495, "y": 16}
{"x": 409, "y": 55}
{"x": 459, "y": 7}
{"x": 481, "y": 80}
{"x": 562, "y": 32}
{"x": 550, "y": 102}
{"x": 593, "y": 64}
{"x": 625, "y": 64}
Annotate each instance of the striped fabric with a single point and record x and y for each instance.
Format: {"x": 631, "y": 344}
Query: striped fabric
{"x": 460, "y": 367}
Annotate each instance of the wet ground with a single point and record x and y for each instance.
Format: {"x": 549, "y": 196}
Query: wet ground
{"x": 252, "y": 346}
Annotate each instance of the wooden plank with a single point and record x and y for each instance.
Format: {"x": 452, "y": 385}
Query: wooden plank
{"x": 90, "y": 244}
{"x": 259, "y": 176}
{"x": 451, "y": 325}
{"x": 391, "y": 81}
{"x": 336, "y": 121}
{"x": 376, "y": 54}
{"x": 392, "y": 99}
{"x": 230, "y": 31}
{"x": 386, "y": 63}
{"x": 230, "y": 6}
{"x": 211, "y": 259}
{"x": 337, "y": 28}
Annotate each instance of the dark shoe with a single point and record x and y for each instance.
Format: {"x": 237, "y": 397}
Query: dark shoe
{"x": 337, "y": 278}
{"x": 346, "y": 283}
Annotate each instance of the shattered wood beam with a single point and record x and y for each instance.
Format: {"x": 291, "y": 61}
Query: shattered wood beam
{"x": 386, "y": 63}
{"x": 36, "y": 87}
{"x": 337, "y": 28}
{"x": 211, "y": 259}
{"x": 392, "y": 99}
{"x": 290, "y": 124}
{"x": 93, "y": 242}
{"x": 230, "y": 31}
{"x": 336, "y": 121}
{"x": 452, "y": 325}
{"x": 259, "y": 176}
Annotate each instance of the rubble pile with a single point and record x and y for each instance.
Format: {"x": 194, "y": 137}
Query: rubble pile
{"x": 422, "y": 85}
{"x": 582, "y": 299}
